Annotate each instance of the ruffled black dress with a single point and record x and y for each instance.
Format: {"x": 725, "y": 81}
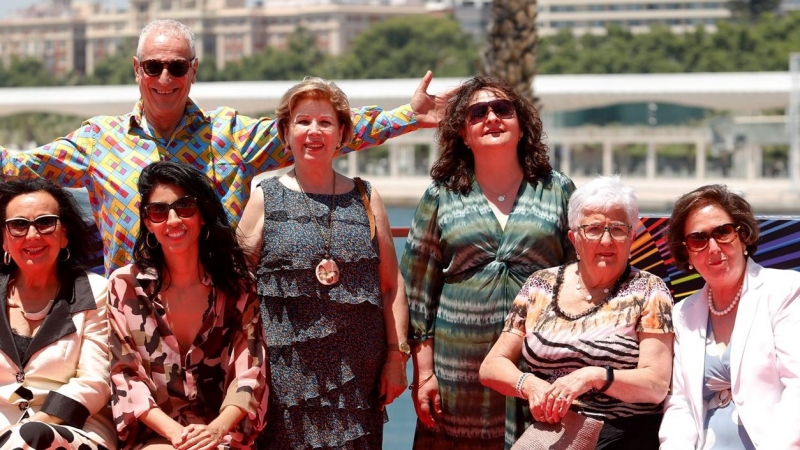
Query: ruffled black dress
{"x": 327, "y": 344}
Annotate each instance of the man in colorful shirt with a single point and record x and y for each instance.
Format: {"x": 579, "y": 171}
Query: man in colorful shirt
{"x": 106, "y": 154}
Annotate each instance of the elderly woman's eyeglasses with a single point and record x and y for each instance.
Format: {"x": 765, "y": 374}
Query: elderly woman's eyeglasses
{"x": 177, "y": 67}
{"x": 502, "y": 108}
{"x": 723, "y": 234}
{"x": 159, "y": 212}
{"x": 19, "y": 227}
{"x": 617, "y": 232}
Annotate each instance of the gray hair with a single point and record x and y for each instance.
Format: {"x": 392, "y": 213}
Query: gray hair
{"x": 603, "y": 194}
{"x": 167, "y": 27}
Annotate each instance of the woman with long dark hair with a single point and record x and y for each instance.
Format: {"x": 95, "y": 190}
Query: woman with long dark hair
{"x": 495, "y": 213}
{"x": 188, "y": 364}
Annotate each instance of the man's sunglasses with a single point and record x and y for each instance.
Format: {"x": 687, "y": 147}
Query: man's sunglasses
{"x": 478, "y": 112}
{"x": 159, "y": 212}
{"x": 723, "y": 234}
{"x": 177, "y": 67}
{"x": 19, "y": 227}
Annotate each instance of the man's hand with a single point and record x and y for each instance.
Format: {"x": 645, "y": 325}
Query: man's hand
{"x": 429, "y": 109}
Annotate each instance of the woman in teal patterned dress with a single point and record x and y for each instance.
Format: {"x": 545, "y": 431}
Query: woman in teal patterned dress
{"x": 495, "y": 213}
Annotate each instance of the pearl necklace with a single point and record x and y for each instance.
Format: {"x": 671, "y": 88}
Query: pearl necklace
{"x": 730, "y": 307}
{"x": 557, "y": 289}
{"x": 589, "y": 295}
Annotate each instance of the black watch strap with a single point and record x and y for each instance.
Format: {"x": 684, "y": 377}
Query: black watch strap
{"x": 609, "y": 379}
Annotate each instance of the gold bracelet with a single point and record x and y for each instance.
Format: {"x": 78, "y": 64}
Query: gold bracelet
{"x": 412, "y": 386}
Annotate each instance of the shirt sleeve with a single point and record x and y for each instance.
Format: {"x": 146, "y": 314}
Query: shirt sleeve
{"x": 518, "y": 314}
{"x": 131, "y": 387}
{"x": 567, "y": 188}
{"x": 422, "y": 266}
{"x": 372, "y": 126}
{"x": 248, "y": 372}
{"x": 65, "y": 160}
{"x": 657, "y": 307}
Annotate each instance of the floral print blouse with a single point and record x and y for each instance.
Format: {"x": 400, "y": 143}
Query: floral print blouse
{"x": 226, "y": 364}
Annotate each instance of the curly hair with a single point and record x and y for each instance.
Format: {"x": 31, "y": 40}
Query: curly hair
{"x": 713, "y": 194}
{"x": 220, "y": 253}
{"x": 315, "y": 88}
{"x": 455, "y": 167}
{"x": 69, "y": 215}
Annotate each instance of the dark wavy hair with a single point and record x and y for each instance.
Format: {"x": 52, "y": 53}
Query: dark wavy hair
{"x": 713, "y": 194}
{"x": 69, "y": 215}
{"x": 455, "y": 167}
{"x": 220, "y": 254}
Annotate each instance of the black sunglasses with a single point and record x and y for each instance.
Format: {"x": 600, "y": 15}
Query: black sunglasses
{"x": 722, "y": 234}
{"x": 177, "y": 67}
{"x": 158, "y": 212}
{"x": 502, "y": 108}
{"x": 19, "y": 227}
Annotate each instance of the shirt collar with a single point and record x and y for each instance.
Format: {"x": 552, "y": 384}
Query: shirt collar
{"x": 191, "y": 111}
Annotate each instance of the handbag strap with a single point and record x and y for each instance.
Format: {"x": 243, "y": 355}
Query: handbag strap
{"x": 363, "y": 190}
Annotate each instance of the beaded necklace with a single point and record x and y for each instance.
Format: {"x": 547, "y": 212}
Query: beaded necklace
{"x": 612, "y": 293}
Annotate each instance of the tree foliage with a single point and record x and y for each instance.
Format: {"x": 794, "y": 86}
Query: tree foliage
{"x": 407, "y": 47}
{"x": 764, "y": 45}
{"x": 117, "y": 68}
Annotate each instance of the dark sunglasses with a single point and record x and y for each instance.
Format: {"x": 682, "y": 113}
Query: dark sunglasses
{"x": 722, "y": 234}
{"x": 502, "y": 108}
{"x": 19, "y": 227}
{"x": 158, "y": 212}
{"x": 177, "y": 67}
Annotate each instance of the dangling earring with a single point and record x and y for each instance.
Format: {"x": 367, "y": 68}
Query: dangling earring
{"x": 208, "y": 234}
{"x": 67, "y": 256}
{"x": 691, "y": 267}
{"x": 745, "y": 252}
{"x": 147, "y": 240}
{"x": 578, "y": 256}
{"x": 6, "y": 258}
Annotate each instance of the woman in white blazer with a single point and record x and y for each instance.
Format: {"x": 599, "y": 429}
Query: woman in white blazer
{"x": 736, "y": 372}
{"x": 54, "y": 365}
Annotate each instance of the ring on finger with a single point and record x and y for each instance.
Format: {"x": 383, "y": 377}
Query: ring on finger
{"x": 561, "y": 397}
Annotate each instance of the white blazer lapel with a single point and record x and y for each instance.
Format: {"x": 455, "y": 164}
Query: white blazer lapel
{"x": 745, "y": 316}
{"x": 695, "y": 314}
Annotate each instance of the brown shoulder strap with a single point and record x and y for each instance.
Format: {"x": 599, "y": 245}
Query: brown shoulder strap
{"x": 363, "y": 190}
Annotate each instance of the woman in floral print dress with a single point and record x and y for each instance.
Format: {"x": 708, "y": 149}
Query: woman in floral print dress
{"x": 188, "y": 357}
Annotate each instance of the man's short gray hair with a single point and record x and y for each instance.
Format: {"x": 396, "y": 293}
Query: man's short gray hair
{"x": 167, "y": 27}
{"x": 603, "y": 194}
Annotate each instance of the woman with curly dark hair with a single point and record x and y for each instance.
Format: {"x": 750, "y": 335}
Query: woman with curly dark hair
{"x": 188, "y": 366}
{"x": 495, "y": 213}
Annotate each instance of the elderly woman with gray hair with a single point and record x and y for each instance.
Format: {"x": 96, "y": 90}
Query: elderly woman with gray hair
{"x": 594, "y": 335}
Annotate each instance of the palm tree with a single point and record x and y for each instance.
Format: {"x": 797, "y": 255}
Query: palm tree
{"x": 511, "y": 43}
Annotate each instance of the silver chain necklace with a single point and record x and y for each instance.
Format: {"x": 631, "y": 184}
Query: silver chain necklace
{"x": 327, "y": 270}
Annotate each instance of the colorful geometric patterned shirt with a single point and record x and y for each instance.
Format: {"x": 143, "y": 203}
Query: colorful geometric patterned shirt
{"x": 106, "y": 154}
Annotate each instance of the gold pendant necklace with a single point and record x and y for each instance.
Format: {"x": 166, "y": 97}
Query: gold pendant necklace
{"x": 327, "y": 270}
